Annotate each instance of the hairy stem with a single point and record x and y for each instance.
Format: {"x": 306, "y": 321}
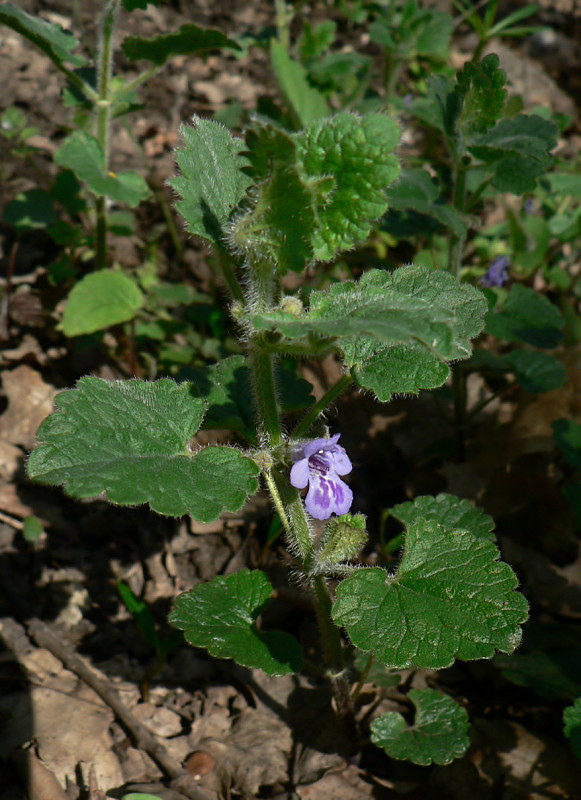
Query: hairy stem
{"x": 262, "y": 370}
{"x": 459, "y": 203}
{"x": 332, "y": 394}
{"x": 333, "y": 650}
{"x": 285, "y": 497}
{"x": 103, "y": 107}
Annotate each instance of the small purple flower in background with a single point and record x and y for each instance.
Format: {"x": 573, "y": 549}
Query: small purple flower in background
{"x": 319, "y": 464}
{"x": 497, "y": 273}
{"x": 529, "y": 206}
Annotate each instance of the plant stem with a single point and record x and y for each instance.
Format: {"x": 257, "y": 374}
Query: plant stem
{"x": 142, "y": 78}
{"x": 301, "y": 536}
{"x": 276, "y": 499}
{"x": 262, "y": 370}
{"x": 286, "y": 498}
{"x": 333, "y": 650}
{"x": 282, "y": 23}
{"x": 332, "y": 394}
{"x": 103, "y": 105}
{"x": 458, "y": 201}
{"x": 454, "y": 266}
{"x": 459, "y": 395}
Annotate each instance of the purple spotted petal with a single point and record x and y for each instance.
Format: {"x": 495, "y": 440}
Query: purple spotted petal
{"x": 299, "y": 476}
{"x": 319, "y": 463}
{"x": 339, "y": 460}
{"x": 327, "y": 495}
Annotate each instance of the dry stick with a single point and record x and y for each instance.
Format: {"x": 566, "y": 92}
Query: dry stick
{"x": 183, "y": 781}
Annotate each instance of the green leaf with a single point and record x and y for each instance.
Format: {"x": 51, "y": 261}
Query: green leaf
{"x": 520, "y": 150}
{"x": 139, "y": 795}
{"x": 526, "y": 317}
{"x": 453, "y": 513}
{"x": 548, "y": 662}
{"x": 212, "y": 182}
{"x": 30, "y": 210}
{"x": 357, "y": 154}
{"x": 481, "y": 87}
{"x": 99, "y": 300}
{"x": 226, "y": 387}
{"x": 433, "y": 33}
{"x": 129, "y": 440}
{"x": 400, "y": 370}
{"x": 280, "y": 226}
{"x": 82, "y": 153}
{"x": 567, "y": 435}
{"x": 376, "y": 672}
{"x": 450, "y": 598}
{"x": 132, "y": 5}
{"x": 572, "y": 725}
{"x": 142, "y": 615}
{"x": 187, "y": 40}
{"x": 306, "y": 102}
{"x": 417, "y": 191}
{"x": 565, "y": 183}
{"x": 32, "y": 529}
{"x": 428, "y": 316}
{"x": 320, "y": 189}
{"x": 411, "y": 306}
{"x": 314, "y": 40}
{"x": 57, "y": 43}
{"x": 221, "y": 616}
{"x": 537, "y": 372}
{"x": 440, "y": 732}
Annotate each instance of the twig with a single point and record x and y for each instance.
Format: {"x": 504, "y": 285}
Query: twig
{"x": 15, "y": 523}
{"x": 181, "y": 778}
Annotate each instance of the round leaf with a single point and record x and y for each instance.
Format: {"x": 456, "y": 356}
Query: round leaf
{"x": 438, "y": 735}
{"x": 100, "y": 300}
{"x": 450, "y": 598}
{"x": 221, "y": 616}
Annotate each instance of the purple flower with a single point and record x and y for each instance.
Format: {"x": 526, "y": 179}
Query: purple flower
{"x": 319, "y": 464}
{"x": 497, "y": 273}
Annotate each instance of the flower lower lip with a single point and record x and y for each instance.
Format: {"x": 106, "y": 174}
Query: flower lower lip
{"x": 318, "y": 465}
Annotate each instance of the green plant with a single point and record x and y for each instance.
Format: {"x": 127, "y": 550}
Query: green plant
{"x": 282, "y": 201}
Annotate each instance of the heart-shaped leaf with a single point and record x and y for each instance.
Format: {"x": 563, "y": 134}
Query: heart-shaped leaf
{"x": 129, "y": 440}
{"x": 221, "y": 616}
{"x": 440, "y": 732}
{"x": 450, "y": 598}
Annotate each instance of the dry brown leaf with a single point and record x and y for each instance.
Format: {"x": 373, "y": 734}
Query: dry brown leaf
{"x": 255, "y": 754}
{"x": 10, "y": 458}
{"x": 30, "y": 400}
{"x": 528, "y": 764}
{"x": 345, "y": 785}
{"x": 69, "y": 722}
{"x": 11, "y": 503}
